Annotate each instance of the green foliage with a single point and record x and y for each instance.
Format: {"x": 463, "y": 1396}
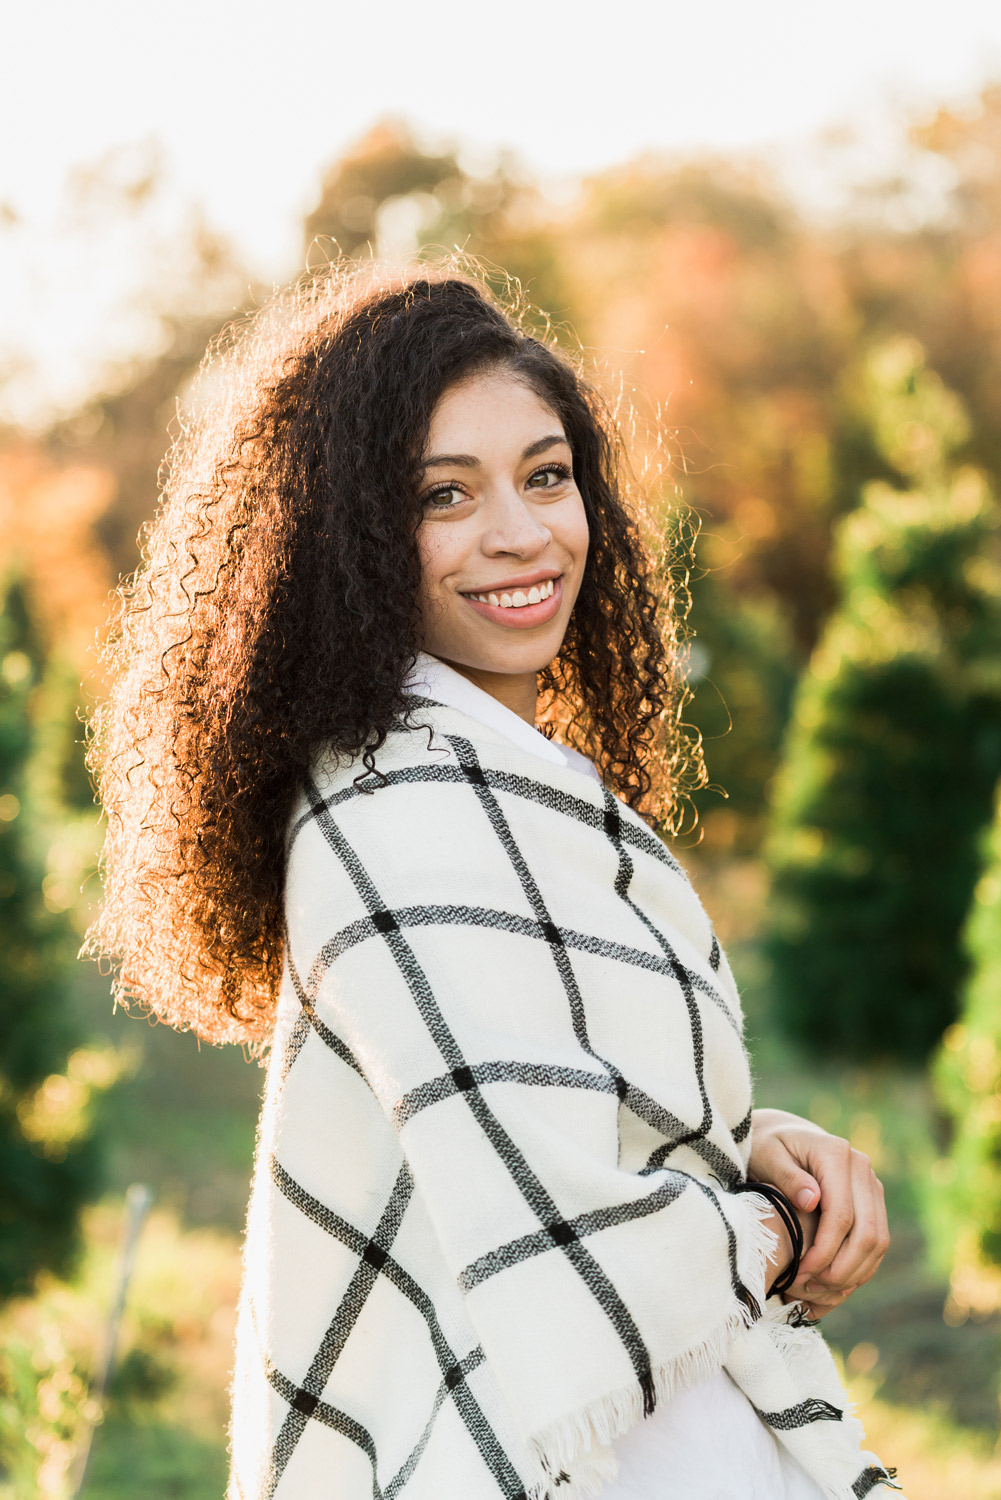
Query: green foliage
{"x": 44, "y": 1403}
{"x": 644, "y": 196}
{"x": 387, "y": 165}
{"x": 743, "y": 671}
{"x": 49, "y": 1157}
{"x": 895, "y": 743}
{"x": 963, "y": 1200}
{"x": 390, "y": 196}
{"x": 161, "y": 1429}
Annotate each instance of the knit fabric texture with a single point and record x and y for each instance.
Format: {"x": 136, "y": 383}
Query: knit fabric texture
{"x": 493, "y": 1221}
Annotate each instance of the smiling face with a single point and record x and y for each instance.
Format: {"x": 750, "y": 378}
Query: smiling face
{"x": 503, "y": 535}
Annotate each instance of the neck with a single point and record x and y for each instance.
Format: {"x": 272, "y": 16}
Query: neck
{"x": 517, "y": 691}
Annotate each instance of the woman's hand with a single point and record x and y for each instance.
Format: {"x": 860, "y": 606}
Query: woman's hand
{"x": 816, "y": 1170}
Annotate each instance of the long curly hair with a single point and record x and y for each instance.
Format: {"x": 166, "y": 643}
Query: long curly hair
{"x": 275, "y": 612}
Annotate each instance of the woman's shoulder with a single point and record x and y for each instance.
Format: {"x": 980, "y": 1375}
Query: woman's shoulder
{"x": 423, "y": 736}
{"x": 434, "y": 734}
{"x": 456, "y": 815}
{"x": 422, "y": 821}
{"x": 444, "y": 772}
{"x": 426, "y": 754}
{"x": 440, "y": 778}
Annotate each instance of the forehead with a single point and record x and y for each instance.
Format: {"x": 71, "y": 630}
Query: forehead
{"x": 491, "y": 410}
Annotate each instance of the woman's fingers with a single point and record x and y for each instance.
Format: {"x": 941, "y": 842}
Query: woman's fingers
{"x": 848, "y": 1236}
{"x": 837, "y": 1208}
{"x": 773, "y": 1161}
{"x": 863, "y": 1250}
{"x": 818, "y": 1309}
{"x": 821, "y": 1309}
{"x": 863, "y": 1245}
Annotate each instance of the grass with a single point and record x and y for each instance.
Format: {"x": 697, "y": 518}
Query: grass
{"x": 182, "y": 1121}
{"x": 162, "y": 1430}
{"x": 935, "y": 1457}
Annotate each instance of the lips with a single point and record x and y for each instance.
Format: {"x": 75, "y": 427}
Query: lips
{"x": 515, "y": 615}
{"x": 515, "y": 598}
{"x": 524, "y": 582}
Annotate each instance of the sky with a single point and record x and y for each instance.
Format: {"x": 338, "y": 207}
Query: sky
{"x": 250, "y": 101}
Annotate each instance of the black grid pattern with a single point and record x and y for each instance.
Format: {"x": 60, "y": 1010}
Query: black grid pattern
{"x": 375, "y": 1257}
{"x": 534, "y": 1190}
{"x": 303, "y": 1390}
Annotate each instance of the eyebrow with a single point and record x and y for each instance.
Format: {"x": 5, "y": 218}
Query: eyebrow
{"x": 467, "y": 461}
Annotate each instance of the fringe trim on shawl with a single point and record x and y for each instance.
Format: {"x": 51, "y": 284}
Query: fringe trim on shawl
{"x": 843, "y": 1461}
{"x": 575, "y": 1453}
{"x": 577, "y": 1458}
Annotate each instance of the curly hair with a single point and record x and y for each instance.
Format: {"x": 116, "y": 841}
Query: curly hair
{"x": 275, "y": 612}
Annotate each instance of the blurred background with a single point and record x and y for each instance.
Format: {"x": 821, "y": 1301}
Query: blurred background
{"x": 780, "y": 226}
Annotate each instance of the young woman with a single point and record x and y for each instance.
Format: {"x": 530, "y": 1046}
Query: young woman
{"x": 394, "y": 725}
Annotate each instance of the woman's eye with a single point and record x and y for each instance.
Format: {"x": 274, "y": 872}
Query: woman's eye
{"x": 445, "y": 498}
{"x": 551, "y": 475}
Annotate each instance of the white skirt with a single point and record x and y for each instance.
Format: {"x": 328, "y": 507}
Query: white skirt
{"x": 706, "y": 1443}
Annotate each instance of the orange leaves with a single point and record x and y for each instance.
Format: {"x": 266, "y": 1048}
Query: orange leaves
{"x": 48, "y": 516}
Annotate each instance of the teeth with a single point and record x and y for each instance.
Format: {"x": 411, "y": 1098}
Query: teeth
{"x": 519, "y": 598}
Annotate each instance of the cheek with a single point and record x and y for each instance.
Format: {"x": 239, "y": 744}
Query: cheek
{"x": 574, "y": 533}
{"x": 441, "y": 550}
{"x": 434, "y": 558}
{"x": 575, "y": 537}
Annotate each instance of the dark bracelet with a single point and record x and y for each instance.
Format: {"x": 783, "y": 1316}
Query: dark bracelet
{"x": 789, "y": 1217}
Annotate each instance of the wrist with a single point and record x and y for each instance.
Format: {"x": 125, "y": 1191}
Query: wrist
{"x": 789, "y": 1244}
{"x": 781, "y": 1256}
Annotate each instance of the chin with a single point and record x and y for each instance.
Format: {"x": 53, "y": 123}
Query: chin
{"x": 514, "y": 657}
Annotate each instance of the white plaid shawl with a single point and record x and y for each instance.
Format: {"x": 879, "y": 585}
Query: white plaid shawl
{"x": 491, "y": 1223}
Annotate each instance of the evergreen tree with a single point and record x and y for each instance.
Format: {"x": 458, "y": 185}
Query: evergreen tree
{"x": 49, "y": 1159}
{"x": 895, "y": 742}
{"x": 743, "y": 672}
{"x": 963, "y": 1203}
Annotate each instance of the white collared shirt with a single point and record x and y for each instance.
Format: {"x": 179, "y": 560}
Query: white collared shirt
{"x": 442, "y": 682}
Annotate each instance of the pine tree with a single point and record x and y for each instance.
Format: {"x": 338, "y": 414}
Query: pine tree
{"x": 963, "y": 1202}
{"x": 743, "y": 672}
{"x": 49, "y": 1155}
{"x": 895, "y": 742}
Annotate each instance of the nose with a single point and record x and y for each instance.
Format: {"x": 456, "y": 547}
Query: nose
{"x": 512, "y": 526}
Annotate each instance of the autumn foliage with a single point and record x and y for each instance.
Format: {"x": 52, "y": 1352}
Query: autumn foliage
{"x": 748, "y": 331}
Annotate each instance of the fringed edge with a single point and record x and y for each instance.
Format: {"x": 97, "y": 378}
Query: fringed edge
{"x": 575, "y": 1452}
{"x": 839, "y": 1447}
{"x": 883, "y": 1480}
{"x": 755, "y": 1244}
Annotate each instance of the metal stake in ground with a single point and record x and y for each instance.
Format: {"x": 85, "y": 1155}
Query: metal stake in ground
{"x": 137, "y": 1204}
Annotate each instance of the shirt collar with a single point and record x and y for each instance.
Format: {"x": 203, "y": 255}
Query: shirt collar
{"x": 442, "y": 682}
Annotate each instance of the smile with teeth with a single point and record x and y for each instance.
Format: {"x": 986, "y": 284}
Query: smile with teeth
{"x": 517, "y": 598}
